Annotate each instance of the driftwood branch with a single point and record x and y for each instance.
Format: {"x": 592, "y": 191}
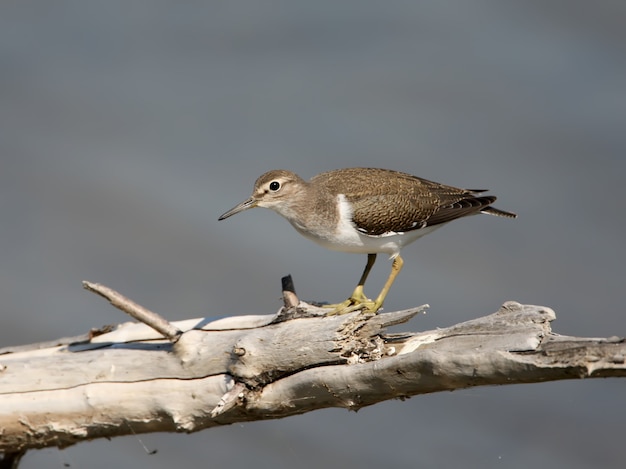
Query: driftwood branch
{"x": 196, "y": 374}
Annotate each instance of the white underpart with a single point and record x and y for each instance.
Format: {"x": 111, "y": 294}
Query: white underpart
{"x": 346, "y": 238}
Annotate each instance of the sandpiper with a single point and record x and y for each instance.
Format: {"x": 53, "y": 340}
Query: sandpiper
{"x": 366, "y": 211}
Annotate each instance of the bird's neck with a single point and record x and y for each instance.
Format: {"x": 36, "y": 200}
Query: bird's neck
{"x": 312, "y": 210}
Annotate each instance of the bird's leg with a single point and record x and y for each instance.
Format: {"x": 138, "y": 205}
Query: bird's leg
{"x": 357, "y": 295}
{"x": 371, "y": 307}
{"x": 396, "y": 267}
{"x": 358, "y": 298}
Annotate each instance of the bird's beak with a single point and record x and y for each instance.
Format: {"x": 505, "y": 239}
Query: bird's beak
{"x": 245, "y": 205}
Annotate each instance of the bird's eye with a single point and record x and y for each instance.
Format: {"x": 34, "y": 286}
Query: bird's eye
{"x": 274, "y": 186}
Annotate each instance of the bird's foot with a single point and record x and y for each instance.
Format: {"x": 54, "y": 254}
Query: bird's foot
{"x": 352, "y": 304}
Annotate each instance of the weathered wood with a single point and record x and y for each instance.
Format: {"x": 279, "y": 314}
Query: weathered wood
{"x": 150, "y": 318}
{"x": 132, "y": 380}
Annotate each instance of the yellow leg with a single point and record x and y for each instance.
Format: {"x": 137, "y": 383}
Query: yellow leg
{"x": 357, "y": 294}
{"x": 369, "y": 306}
{"x": 396, "y": 267}
{"x": 357, "y": 298}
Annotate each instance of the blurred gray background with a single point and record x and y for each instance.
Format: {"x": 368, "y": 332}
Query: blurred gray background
{"x": 128, "y": 127}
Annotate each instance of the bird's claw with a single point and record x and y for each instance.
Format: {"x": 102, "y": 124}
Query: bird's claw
{"x": 352, "y": 304}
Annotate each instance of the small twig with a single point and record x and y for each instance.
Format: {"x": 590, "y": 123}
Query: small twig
{"x": 292, "y": 308}
{"x": 150, "y": 318}
{"x": 290, "y": 299}
{"x": 229, "y": 400}
{"x": 149, "y": 452}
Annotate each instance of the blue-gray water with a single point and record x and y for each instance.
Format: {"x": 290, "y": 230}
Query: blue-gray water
{"x": 128, "y": 127}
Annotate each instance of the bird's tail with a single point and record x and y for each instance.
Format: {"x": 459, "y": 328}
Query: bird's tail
{"x": 498, "y": 213}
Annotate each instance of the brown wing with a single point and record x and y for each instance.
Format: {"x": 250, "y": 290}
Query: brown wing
{"x": 388, "y": 201}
